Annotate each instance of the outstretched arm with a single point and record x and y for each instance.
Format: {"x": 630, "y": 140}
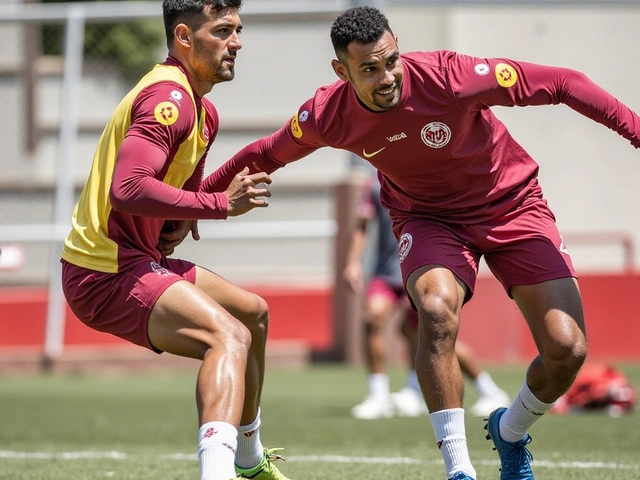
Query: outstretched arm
{"x": 269, "y": 153}
{"x": 512, "y": 83}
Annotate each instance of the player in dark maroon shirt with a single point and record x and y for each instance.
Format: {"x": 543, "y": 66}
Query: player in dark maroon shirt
{"x": 457, "y": 187}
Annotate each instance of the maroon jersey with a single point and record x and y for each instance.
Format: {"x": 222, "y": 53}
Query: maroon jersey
{"x": 441, "y": 153}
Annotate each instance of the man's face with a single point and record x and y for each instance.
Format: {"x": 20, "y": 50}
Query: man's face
{"x": 215, "y": 45}
{"x": 375, "y": 71}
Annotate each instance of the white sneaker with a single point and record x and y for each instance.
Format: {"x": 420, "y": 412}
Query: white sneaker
{"x": 488, "y": 403}
{"x": 409, "y": 403}
{"x": 373, "y": 407}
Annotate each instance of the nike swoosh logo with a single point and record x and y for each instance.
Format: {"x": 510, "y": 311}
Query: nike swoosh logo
{"x": 369, "y": 155}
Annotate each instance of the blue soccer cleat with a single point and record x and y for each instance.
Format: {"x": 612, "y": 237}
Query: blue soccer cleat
{"x": 461, "y": 476}
{"x": 514, "y": 456}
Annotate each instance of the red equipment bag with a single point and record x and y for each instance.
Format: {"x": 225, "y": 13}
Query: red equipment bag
{"x": 598, "y": 386}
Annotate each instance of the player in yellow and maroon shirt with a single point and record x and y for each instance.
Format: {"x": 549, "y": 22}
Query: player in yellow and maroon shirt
{"x": 458, "y": 187}
{"x": 147, "y": 169}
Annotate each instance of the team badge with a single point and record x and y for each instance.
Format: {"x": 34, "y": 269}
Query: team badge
{"x": 295, "y": 125}
{"x": 166, "y": 113}
{"x": 482, "y": 69}
{"x": 435, "y": 134}
{"x": 160, "y": 270}
{"x": 506, "y": 75}
{"x": 404, "y": 245}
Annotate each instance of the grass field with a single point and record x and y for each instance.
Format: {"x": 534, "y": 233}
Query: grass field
{"x": 143, "y": 426}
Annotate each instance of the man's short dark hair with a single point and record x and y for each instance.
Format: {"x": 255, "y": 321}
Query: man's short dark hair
{"x": 359, "y": 24}
{"x": 191, "y": 13}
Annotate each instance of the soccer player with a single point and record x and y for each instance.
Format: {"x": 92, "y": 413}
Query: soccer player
{"x": 385, "y": 294}
{"x": 457, "y": 187}
{"x": 147, "y": 168}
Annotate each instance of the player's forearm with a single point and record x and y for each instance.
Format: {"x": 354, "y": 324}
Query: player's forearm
{"x": 357, "y": 246}
{"x": 584, "y": 96}
{"x": 265, "y": 155}
{"x": 152, "y": 198}
{"x": 250, "y": 157}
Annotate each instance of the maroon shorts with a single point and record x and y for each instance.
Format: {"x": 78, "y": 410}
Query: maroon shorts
{"x": 120, "y": 303}
{"x": 522, "y": 247}
{"x": 378, "y": 286}
{"x": 396, "y": 294}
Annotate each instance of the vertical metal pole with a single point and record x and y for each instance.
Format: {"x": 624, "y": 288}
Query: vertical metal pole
{"x": 32, "y": 50}
{"x": 56, "y": 307}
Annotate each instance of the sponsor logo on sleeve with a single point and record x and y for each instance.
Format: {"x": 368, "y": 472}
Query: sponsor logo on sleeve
{"x": 481, "y": 69}
{"x": 435, "y": 134}
{"x": 404, "y": 246}
{"x": 506, "y": 75}
{"x": 175, "y": 96}
{"x": 563, "y": 248}
{"x": 166, "y": 113}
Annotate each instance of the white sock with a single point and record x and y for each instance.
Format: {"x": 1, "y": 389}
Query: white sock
{"x": 250, "y": 450}
{"x": 217, "y": 443}
{"x": 379, "y": 385}
{"x": 485, "y": 385}
{"x": 521, "y": 415}
{"x": 448, "y": 426}
{"x": 412, "y": 381}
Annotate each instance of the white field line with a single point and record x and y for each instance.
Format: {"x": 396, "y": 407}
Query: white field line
{"x": 10, "y": 454}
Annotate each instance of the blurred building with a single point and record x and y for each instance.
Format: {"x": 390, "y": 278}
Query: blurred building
{"x": 588, "y": 173}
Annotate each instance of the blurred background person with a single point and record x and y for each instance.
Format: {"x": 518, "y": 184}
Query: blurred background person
{"x": 384, "y": 298}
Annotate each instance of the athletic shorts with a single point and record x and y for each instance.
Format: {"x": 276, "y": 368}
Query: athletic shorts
{"x": 522, "y": 247}
{"x": 120, "y": 303}
{"x": 395, "y": 294}
{"x": 378, "y": 286}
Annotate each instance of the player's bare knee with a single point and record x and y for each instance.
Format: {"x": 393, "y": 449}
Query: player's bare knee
{"x": 256, "y": 317}
{"x": 438, "y": 320}
{"x": 239, "y": 336}
{"x": 233, "y": 337}
{"x": 566, "y": 356}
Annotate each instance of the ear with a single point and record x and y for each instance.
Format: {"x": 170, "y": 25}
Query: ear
{"x": 183, "y": 35}
{"x": 340, "y": 70}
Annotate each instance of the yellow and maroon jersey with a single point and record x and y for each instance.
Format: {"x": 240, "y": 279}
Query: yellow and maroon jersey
{"x": 147, "y": 168}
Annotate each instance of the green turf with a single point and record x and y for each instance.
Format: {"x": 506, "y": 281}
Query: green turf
{"x": 81, "y": 427}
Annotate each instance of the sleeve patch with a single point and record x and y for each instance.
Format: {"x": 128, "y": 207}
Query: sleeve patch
{"x": 506, "y": 75}
{"x": 166, "y": 113}
{"x": 296, "y": 130}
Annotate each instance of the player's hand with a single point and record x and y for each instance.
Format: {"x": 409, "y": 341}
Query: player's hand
{"x": 353, "y": 276}
{"x": 243, "y": 193}
{"x": 174, "y": 232}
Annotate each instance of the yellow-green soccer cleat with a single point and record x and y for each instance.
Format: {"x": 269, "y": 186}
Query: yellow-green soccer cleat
{"x": 265, "y": 470}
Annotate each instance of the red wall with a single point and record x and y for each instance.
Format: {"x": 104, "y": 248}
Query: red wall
{"x": 491, "y": 323}
{"x": 295, "y": 314}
